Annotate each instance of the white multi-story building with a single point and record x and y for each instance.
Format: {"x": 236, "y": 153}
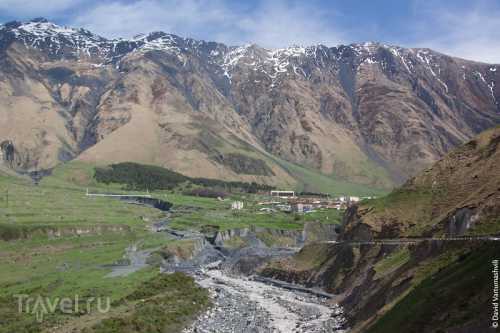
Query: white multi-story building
{"x": 283, "y": 194}
{"x": 354, "y": 199}
{"x": 237, "y": 205}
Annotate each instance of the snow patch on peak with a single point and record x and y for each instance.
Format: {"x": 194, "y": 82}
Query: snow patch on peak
{"x": 61, "y": 41}
{"x": 398, "y": 53}
{"x": 46, "y": 29}
{"x": 480, "y": 76}
{"x": 366, "y": 48}
{"x": 58, "y": 40}
{"x": 426, "y": 57}
{"x": 492, "y": 91}
{"x": 369, "y": 60}
{"x": 235, "y": 54}
{"x": 157, "y": 41}
{"x": 232, "y": 58}
{"x": 271, "y": 62}
{"x": 490, "y": 85}
{"x": 292, "y": 51}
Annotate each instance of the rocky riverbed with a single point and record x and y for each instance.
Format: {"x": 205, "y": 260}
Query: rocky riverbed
{"x": 242, "y": 303}
{"x": 247, "y": 306}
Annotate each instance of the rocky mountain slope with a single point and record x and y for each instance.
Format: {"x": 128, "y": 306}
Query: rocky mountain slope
{"x": 445, "y": 285}
{"x": 368, "y": 113}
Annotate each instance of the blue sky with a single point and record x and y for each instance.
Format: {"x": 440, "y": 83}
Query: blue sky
{"x": 469, "y": 29}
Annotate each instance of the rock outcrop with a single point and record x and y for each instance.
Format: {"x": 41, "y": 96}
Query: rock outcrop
{"x": 444, "y": 284}
{"x": 8, "y": 152}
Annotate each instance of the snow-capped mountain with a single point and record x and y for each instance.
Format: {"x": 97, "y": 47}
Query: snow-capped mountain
{"x": 66, "y": 42}
{"x": 368, "y": 113}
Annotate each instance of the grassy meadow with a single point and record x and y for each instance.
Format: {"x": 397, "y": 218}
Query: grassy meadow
{"x": 56, "y": 242}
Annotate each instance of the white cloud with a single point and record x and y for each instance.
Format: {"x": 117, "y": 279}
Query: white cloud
{"x": 270, "y": 24}
{"x": 117, "y": 19}
{"x": 279, "y": 24}
{"x": 36, "y": 8}
{"x": 470, "y": 33}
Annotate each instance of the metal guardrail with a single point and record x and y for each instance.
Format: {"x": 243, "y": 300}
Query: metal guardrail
{"x": 293, "y": 287}
{"x": 396, "y": 241}
{"x": 88, "y": 194}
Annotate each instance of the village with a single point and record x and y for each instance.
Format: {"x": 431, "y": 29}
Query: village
{"x": 305, "y": 202}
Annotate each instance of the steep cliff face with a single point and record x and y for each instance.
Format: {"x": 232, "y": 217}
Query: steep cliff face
{"x": 458, "y": 195}
{"x": 444, "y": 284}
{"x": 368, "y": 113}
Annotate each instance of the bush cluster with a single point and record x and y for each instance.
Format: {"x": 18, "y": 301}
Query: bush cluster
{"x": 148, "y": 177}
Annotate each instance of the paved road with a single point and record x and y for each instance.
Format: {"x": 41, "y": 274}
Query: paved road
{"x": 416, "y": 240}
{"x": 137, "y": 259}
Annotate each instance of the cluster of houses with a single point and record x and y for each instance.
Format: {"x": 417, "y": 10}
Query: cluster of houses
{"x": 289, "y": 201}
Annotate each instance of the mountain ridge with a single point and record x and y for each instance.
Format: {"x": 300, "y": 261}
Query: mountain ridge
{"x": 366, "y": 113}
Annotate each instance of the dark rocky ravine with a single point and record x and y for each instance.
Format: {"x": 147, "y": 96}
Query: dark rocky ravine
{"x": 245, "y": 303}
